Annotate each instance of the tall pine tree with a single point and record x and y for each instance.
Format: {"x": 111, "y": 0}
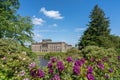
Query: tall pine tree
{"x": 97, "y": 31}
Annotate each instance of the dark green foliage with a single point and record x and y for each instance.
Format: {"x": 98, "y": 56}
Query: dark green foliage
{"x": 98, "y": 28}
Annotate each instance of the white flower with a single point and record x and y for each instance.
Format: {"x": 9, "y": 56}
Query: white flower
{"x": 24, "y": 59}
{"x": 24, "y": 52}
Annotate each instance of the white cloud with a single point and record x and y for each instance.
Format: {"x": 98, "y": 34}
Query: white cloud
{"x": 45, "y": 30}
{"x": 54, "y": 25}
{"x": 79, "y": 29}
{"x": 52, "y": 31}
{"x": 37, "y": 21}
{"x": 37, "y": 36}
{"x": 52, "y": 14}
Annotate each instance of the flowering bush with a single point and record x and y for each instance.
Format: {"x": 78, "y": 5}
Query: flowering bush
{"x": 97, "y": 64}
{"x": 13, "y": 61}
{"x": 105, "y": 59}
{"x": 100, "y": 64}
{"x": 78, "y": 69}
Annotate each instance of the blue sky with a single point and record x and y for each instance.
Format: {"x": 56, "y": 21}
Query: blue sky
{"x": 66, "y": 20}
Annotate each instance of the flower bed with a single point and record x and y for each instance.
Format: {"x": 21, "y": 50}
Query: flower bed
{"x": 69, "y": 69}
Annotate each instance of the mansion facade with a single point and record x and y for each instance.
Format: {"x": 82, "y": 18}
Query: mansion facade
{"x": 48, "y": 46}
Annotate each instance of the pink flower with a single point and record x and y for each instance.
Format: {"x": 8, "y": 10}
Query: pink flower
{"x": 26, "y": 79}
{"x": 56, "y": 77}
{"x": 22, "y": 73}
{"x": 101, "y": 65}
{"x": 32, "y": 65}
{"x": 4, "y": 58}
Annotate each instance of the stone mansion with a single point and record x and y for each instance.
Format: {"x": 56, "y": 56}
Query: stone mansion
{"x": 48, "y": 46}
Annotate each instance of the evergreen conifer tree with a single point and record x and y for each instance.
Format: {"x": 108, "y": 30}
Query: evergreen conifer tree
{"x": 97, "y": 31}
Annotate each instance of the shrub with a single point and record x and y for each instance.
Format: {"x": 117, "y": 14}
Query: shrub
{"x": 14, "y": 62}
{"x": 77, "y": 69}
{"x": 52, "y": 54}
{"x": 106, "y": 57}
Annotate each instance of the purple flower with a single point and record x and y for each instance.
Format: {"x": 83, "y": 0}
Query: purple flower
{"x": 22, "y": 73}
{"x": 78, "y": 63}
{"x": 60, "y": 66}
{"x": 49, "y": 64}
{"x": 56, "y": 77}
{"x": 33, "y": 72}
{"x": 82, "y": 60}
{"x": 53, "y": 59}
{"x": 32, "y": 65}
{"x": 110, "y": 70}
{"x": 50, "y": 71}
{"x": 101, "y": 65}
{"x": 104, "y": 59}
{"x": 40, "y": 73}
{"x": 92, "y": 59}
{"x": 119, "y": 57}
{"x": 69, "y": 59}
{"x": 89, "y": 73}
{"x": 90, "y": 70}
{"x": 90, "y": 76}
{"x": 106, "y": 76}
{"x": 37, "y": 73}
{"x": 76, "y": 70}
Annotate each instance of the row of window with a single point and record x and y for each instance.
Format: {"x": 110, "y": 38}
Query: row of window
{"x": 52, "y": 47}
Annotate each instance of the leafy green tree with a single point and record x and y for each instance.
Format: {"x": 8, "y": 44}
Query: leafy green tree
{"x": 13, "y": 25}
{"x": 98, "y": 27}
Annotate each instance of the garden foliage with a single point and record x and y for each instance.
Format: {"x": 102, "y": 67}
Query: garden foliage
{"x": 13, "y": 60}
{"x": 96, "y": 64}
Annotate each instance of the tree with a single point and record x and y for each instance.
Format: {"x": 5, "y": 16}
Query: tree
{"x": 13, "y": 25}
{"x": 98, "y": 27}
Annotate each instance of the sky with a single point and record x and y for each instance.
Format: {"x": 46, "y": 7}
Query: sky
{"x": 66, "y": 20}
